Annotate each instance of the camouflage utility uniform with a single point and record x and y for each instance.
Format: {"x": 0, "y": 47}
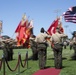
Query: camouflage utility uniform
{"x": 33, "y": 45}
{"x": 6, "y": 46}
{"x": 42, "y": 47}
{"x": 74, "y": 47}
{"x": 57, "y": 48}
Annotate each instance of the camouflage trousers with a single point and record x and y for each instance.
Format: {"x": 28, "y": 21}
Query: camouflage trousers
{"x": 58, "y": 58}
{"x": 42, "y": 58}
{"x": 8, "y": 53}
{"x": 42, "y": 47}
{"x": 74, "y": 47}
{"x": 74, "y": 55}
{"x": 34, "y": 53}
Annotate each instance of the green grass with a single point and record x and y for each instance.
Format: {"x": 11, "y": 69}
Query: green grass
{"x": 69, "y": 66}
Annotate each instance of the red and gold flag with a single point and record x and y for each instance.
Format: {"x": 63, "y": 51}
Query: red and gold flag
{"x": 52, "y": 29}
{"x": 20, "y": 30}
{"x": 23, "y": 33}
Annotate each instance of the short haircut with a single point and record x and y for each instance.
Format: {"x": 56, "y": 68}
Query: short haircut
{"x": 42, "y": 30}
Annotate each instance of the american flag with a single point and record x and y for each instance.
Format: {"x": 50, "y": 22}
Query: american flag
{"x": 70, "y": 15}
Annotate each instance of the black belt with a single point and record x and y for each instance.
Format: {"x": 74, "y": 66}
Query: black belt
{"x": 42, "y": 43}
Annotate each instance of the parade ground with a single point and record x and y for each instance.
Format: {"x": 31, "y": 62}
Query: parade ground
{"x": 69, "y": 65}
{"x": 28, "y": 27}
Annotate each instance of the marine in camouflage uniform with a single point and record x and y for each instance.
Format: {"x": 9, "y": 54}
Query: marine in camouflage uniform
{"x": 65, "y": 44}
{"x": 71, "y": 44}
{"x": 42, "y": 48}
{"x": 6, "y": 45}
{"x": 5, "y": 52}
{"x": 57, "y": 47}
{"x": 74, "y": 45}
{"x": 33, "y": 45}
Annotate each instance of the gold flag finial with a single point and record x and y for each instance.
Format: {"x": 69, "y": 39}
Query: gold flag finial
{"x": 23, "y": 17}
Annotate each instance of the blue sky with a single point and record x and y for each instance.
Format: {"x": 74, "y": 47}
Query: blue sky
{"x": 41, "y": 11}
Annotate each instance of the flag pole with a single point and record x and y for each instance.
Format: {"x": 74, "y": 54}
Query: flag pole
{"x": 66, "y": 26}
{"x": 57, "y": 12}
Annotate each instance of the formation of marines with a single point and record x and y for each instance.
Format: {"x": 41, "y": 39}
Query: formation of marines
{"x": 58, "y": 41}
{"x": 56, "y": 44}
{"x": 39, "y": 44}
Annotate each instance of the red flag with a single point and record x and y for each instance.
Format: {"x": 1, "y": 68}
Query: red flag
{"x": 52, "y": 29}
{"x": 24, "y": 32}
{"x": 20, "y": 30}
{"x": 20, "y": 25}
{"x": 61, "y": 30}
{"x": 28, "y": 32}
